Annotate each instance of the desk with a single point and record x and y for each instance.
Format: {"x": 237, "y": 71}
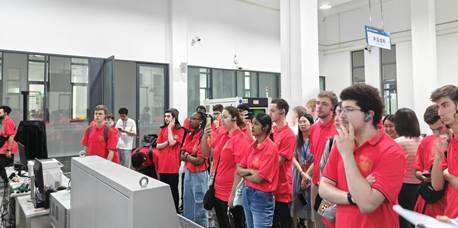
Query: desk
{"x": 30, "y": 216}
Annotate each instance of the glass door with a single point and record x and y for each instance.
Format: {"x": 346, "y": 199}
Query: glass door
{"x": 108, "y": 82}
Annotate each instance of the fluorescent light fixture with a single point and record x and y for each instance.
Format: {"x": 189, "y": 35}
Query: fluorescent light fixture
{"x": 325, "y": 6}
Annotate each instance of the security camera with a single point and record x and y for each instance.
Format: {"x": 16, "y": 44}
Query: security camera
{"x": 368, "y": 48}
{"x": 195, "y": 40}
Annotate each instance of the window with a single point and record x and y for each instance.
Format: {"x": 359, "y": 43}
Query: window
{"x": 208, "y": 83}
{"x": 388, "y": 77}
{"x": 357, "y": 65}
{"x": 151, "y": 98}
{"x": 37, "y": 70}
{"x": 322, "y": 83}
{"x": 79, "y": 82}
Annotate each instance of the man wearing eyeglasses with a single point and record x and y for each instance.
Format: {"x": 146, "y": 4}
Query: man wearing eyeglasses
{"x": 362, "y": 150}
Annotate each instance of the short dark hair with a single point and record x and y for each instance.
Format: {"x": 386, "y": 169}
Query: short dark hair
{"x": 218, "y": 108}
{"x": 234, "y": 112}
{"x": 329, "y": 94}
{"x": 388, "y": 117}
{"x": 201, "y": 108}
{"x": 431, "y": 114}
{"x": 243, "y": 107}
{"x": 137, "y": 160}
{"x": 406, "y": 123}
{"x": 281, "y": 104}
{"x": 6, "y": 109}
{"x": 449, "y": 91}
{"x": 124, "y": 111}
{"x": 367, "y": 98}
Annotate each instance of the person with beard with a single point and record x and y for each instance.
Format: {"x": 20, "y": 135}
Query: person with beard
{"x": 320, "y": 132}
{"x": 361, "y": 150}
{"x": 445, "y": 165}
{"x": 168, "y": 146}
{"x": 9, "y": 146}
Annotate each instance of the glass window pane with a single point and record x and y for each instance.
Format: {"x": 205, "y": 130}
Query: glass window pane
{"x": 193, "y": 89}
{"x": 358, "y": 75}
{"x": 202, "y": 96}
{"x": 37, "y": 57}
{"x": 240, "y": 83}
{"x": 268, "y": 85}
{"x": 254, "y": 85}
{"x": 36, "y": 99}
{"x": 79, "y": 106}
{"x": 358, "y": 58}
{"x": 80, "y": 61}
{"x": 151, "y": 98}
{"x": 203, "y": 80}
{"x": 223, "y": 83}
{"x": 80, "y": 73}
{"x": 36, "y": 71}
{"x": 13, "y": 86}
{"x": 389, "y": 72}
{"x": 389, "y": 56}
{"x": 247, "y": 82}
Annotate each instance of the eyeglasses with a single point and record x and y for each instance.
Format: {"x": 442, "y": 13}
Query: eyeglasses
{"x": 347, "y": 110}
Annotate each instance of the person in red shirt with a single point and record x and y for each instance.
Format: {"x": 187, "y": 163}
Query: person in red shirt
{"x": 96, "y": 142}
{"x": 320, "y": 132}
{"x": 424, "y": 161}
{"x": 285, "y": 140}
{"x": 362, "y": 150}
{"x": 9, "y": 147}
{"x": 260, "y": 171}
{"x": 445, "y": 167}
{"x": 144, "y": 158}
{"x": 168, "y": 146}
{"x": 196, "y": 175}
{"x": 227, "y": 153}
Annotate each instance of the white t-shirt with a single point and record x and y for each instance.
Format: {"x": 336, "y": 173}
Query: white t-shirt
{"x": 125, "y": 141}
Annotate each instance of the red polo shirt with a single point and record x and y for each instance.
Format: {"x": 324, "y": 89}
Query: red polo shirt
{"x": 383, "y": 158}
{"x": 169, "y": 157}
{"x": 319, "y": 134}
{"x": 451, "y": 162}
{"x": 264, "y": 159}
{"x": 145, "y": 151}
{"x": 192, "y": 146}
{"x": 423, "y": 163}
{"x": 285, "y": 140}
{"x": 231, "y": 153}
{"x": 247, "y": 131}
{"x": 9, "y": 128}
{"x": 95, "y": 142}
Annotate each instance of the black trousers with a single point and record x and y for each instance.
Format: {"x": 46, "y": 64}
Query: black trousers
{"x": 172, "y": 180}
{"x": 407, "y": 198}
{"x": 5, "y": 162}
{"x": 222, "y": 216}
{"x": 282, "y": 216}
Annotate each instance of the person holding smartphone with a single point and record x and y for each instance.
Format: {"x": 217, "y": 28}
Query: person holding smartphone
{"x": 168, "y": 146}
{"x": 127, "y": 130}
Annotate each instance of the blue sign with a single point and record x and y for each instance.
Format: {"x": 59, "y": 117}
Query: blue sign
{"x": 377, "y": 38}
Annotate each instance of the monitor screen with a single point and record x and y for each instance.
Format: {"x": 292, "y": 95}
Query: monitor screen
{"x": 22, "y": 154}
{"x": 38, "y": 173}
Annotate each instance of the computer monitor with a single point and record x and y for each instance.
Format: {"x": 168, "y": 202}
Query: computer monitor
{"x": 22, "y": 155}
{"x": 38, "y": 173}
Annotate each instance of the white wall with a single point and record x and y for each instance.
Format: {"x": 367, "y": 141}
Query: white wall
{"x": 337, "y": 70}
{"x": 140, "y": 30}
{"x": 234, "y": 27}
{"x": 133, "y": 30}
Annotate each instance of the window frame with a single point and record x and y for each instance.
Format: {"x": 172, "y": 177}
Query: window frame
{"x": 382, "y": 81}
{"x": 44, "y": 83}
{"x": 354, "y": 67}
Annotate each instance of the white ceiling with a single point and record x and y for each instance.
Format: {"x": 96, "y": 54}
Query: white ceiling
{"x": 275, "y": 4}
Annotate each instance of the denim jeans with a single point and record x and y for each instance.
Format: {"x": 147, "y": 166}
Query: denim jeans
{"x": 195, "y": 186}
{"x": 259, "y": 208}
{"x": 124, "y": 157}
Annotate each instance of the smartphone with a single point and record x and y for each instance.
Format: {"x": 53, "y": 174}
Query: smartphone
{"x": 208, "y": 124}
{"x": 427, "y": 174}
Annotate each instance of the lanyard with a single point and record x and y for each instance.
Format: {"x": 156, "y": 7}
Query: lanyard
{"x": 305, "y": 149}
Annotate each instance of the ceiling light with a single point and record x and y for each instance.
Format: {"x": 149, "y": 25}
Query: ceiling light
{"x": 325, "y": 6}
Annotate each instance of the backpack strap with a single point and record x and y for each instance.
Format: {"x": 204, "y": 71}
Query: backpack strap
{"x": 105, "y": 133}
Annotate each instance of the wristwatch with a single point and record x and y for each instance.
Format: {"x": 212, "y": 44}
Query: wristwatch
{"x": 350, "y": 201}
